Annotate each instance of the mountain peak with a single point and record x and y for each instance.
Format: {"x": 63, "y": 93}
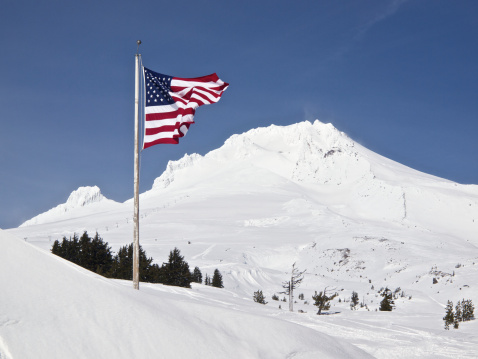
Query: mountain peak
{"x": 84, "y": 196}
{"x": 80, "y": 198}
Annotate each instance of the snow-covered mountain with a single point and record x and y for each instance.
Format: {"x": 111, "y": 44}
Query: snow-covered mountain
{"x": 332, "y": 170}
{"x": 310, "y": 195}
{"x": 89, "y": 197}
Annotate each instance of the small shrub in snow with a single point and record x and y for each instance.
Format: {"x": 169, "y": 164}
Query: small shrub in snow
{"x": 322, "y": 300}
{"x": 259, "y": 297}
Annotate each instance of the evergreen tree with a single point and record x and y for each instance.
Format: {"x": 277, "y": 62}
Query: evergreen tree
{"x": 122, "y": 267}
{"x": 102, "y": 258}
{"x": 217, "y": 279}
{"x": 84, "y": 256}
{"x": 449, "y": 317}
{"x": 94, "y": 255}
{"x": 207, "y": 281}
{"x": 176, "y": 271}
{"x": 468, "y": 310}
{"x": 123, "y": 263}
{"x": 354, "y": 300}
{"x": 259, "y": 297}
{"x": 322, "y": 300}
{"x": 72, "y": 249}
{"x": 196, "y": 275}
{"x": 55, "y": 249}
{"x": 458, "y": 312}
{"x": 387, "y": 303}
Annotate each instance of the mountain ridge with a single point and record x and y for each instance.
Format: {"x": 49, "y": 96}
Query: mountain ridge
{"x": 316, "y": 157}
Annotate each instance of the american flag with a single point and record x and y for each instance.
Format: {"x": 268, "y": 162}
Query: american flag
{"x": 171, "y": 102}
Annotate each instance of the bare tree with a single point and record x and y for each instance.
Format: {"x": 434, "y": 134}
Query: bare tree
{"x": 294, "y": 282}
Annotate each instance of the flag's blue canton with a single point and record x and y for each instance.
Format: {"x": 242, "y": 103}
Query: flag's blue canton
{"x": 157, "y": 88}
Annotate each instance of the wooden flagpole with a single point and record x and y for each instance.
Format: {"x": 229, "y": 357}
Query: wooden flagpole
{"x": 136, "y": 173}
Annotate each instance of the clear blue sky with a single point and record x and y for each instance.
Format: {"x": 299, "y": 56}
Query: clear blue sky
{"x": 399, "y": 77}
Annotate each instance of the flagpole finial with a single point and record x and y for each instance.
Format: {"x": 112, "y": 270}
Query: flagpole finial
{"x": 139, "y": 43}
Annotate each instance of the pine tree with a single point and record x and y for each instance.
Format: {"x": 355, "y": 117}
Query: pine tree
{"x": 196, "y": 276}
{"x": 217, "y": 279}
{"x": 449, "y": 317}
{"x": 122, "y": 267}
{"x": 176, "y": 271}
{"x": 207, "y": 281}
{"x": 354, "y": 300}
{"x": 322, "y": 300}
{"x": 123, "y": 263}
{"x": 387, "y": 303}
{"x": 259, "y": 297}
{"x": 72, "y": 249}
{"x": 55, "y": 249}
{"x": 468, "y": 310}
{"x": 458, "y": 312}
{"x": 85, "y": 255}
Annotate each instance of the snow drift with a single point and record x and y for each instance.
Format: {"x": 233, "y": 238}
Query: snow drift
{"x": 51, "y": 308}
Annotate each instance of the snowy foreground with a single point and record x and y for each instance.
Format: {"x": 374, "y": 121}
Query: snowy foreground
{"x": 53, "y": 309}
{"x": 304, "y": 194}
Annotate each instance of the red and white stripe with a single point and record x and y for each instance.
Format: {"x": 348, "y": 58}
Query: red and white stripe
{"x": 167, "y": 123}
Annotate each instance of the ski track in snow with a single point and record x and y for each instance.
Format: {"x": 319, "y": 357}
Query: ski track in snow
{"x": 204, "y": 253}
{"x": 395, "y": 341}
{"x": 4, "y": 352}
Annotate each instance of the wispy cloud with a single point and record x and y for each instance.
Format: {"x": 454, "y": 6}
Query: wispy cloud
{"x": 391, "y": 9}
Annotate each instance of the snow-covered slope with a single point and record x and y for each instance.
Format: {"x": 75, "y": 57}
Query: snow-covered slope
{"x": 51, "y": 308}
{"x": 309, "y": 194}
{"x": 334, "y": 171}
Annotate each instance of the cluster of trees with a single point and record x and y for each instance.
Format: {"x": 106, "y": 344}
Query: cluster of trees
{"x": 94, "y": 254}
{"x": 322, "y": 299}
{"x": 464, "y": 311}
{"x": 91, "y": 253}
{"x": 215, "y": 281}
